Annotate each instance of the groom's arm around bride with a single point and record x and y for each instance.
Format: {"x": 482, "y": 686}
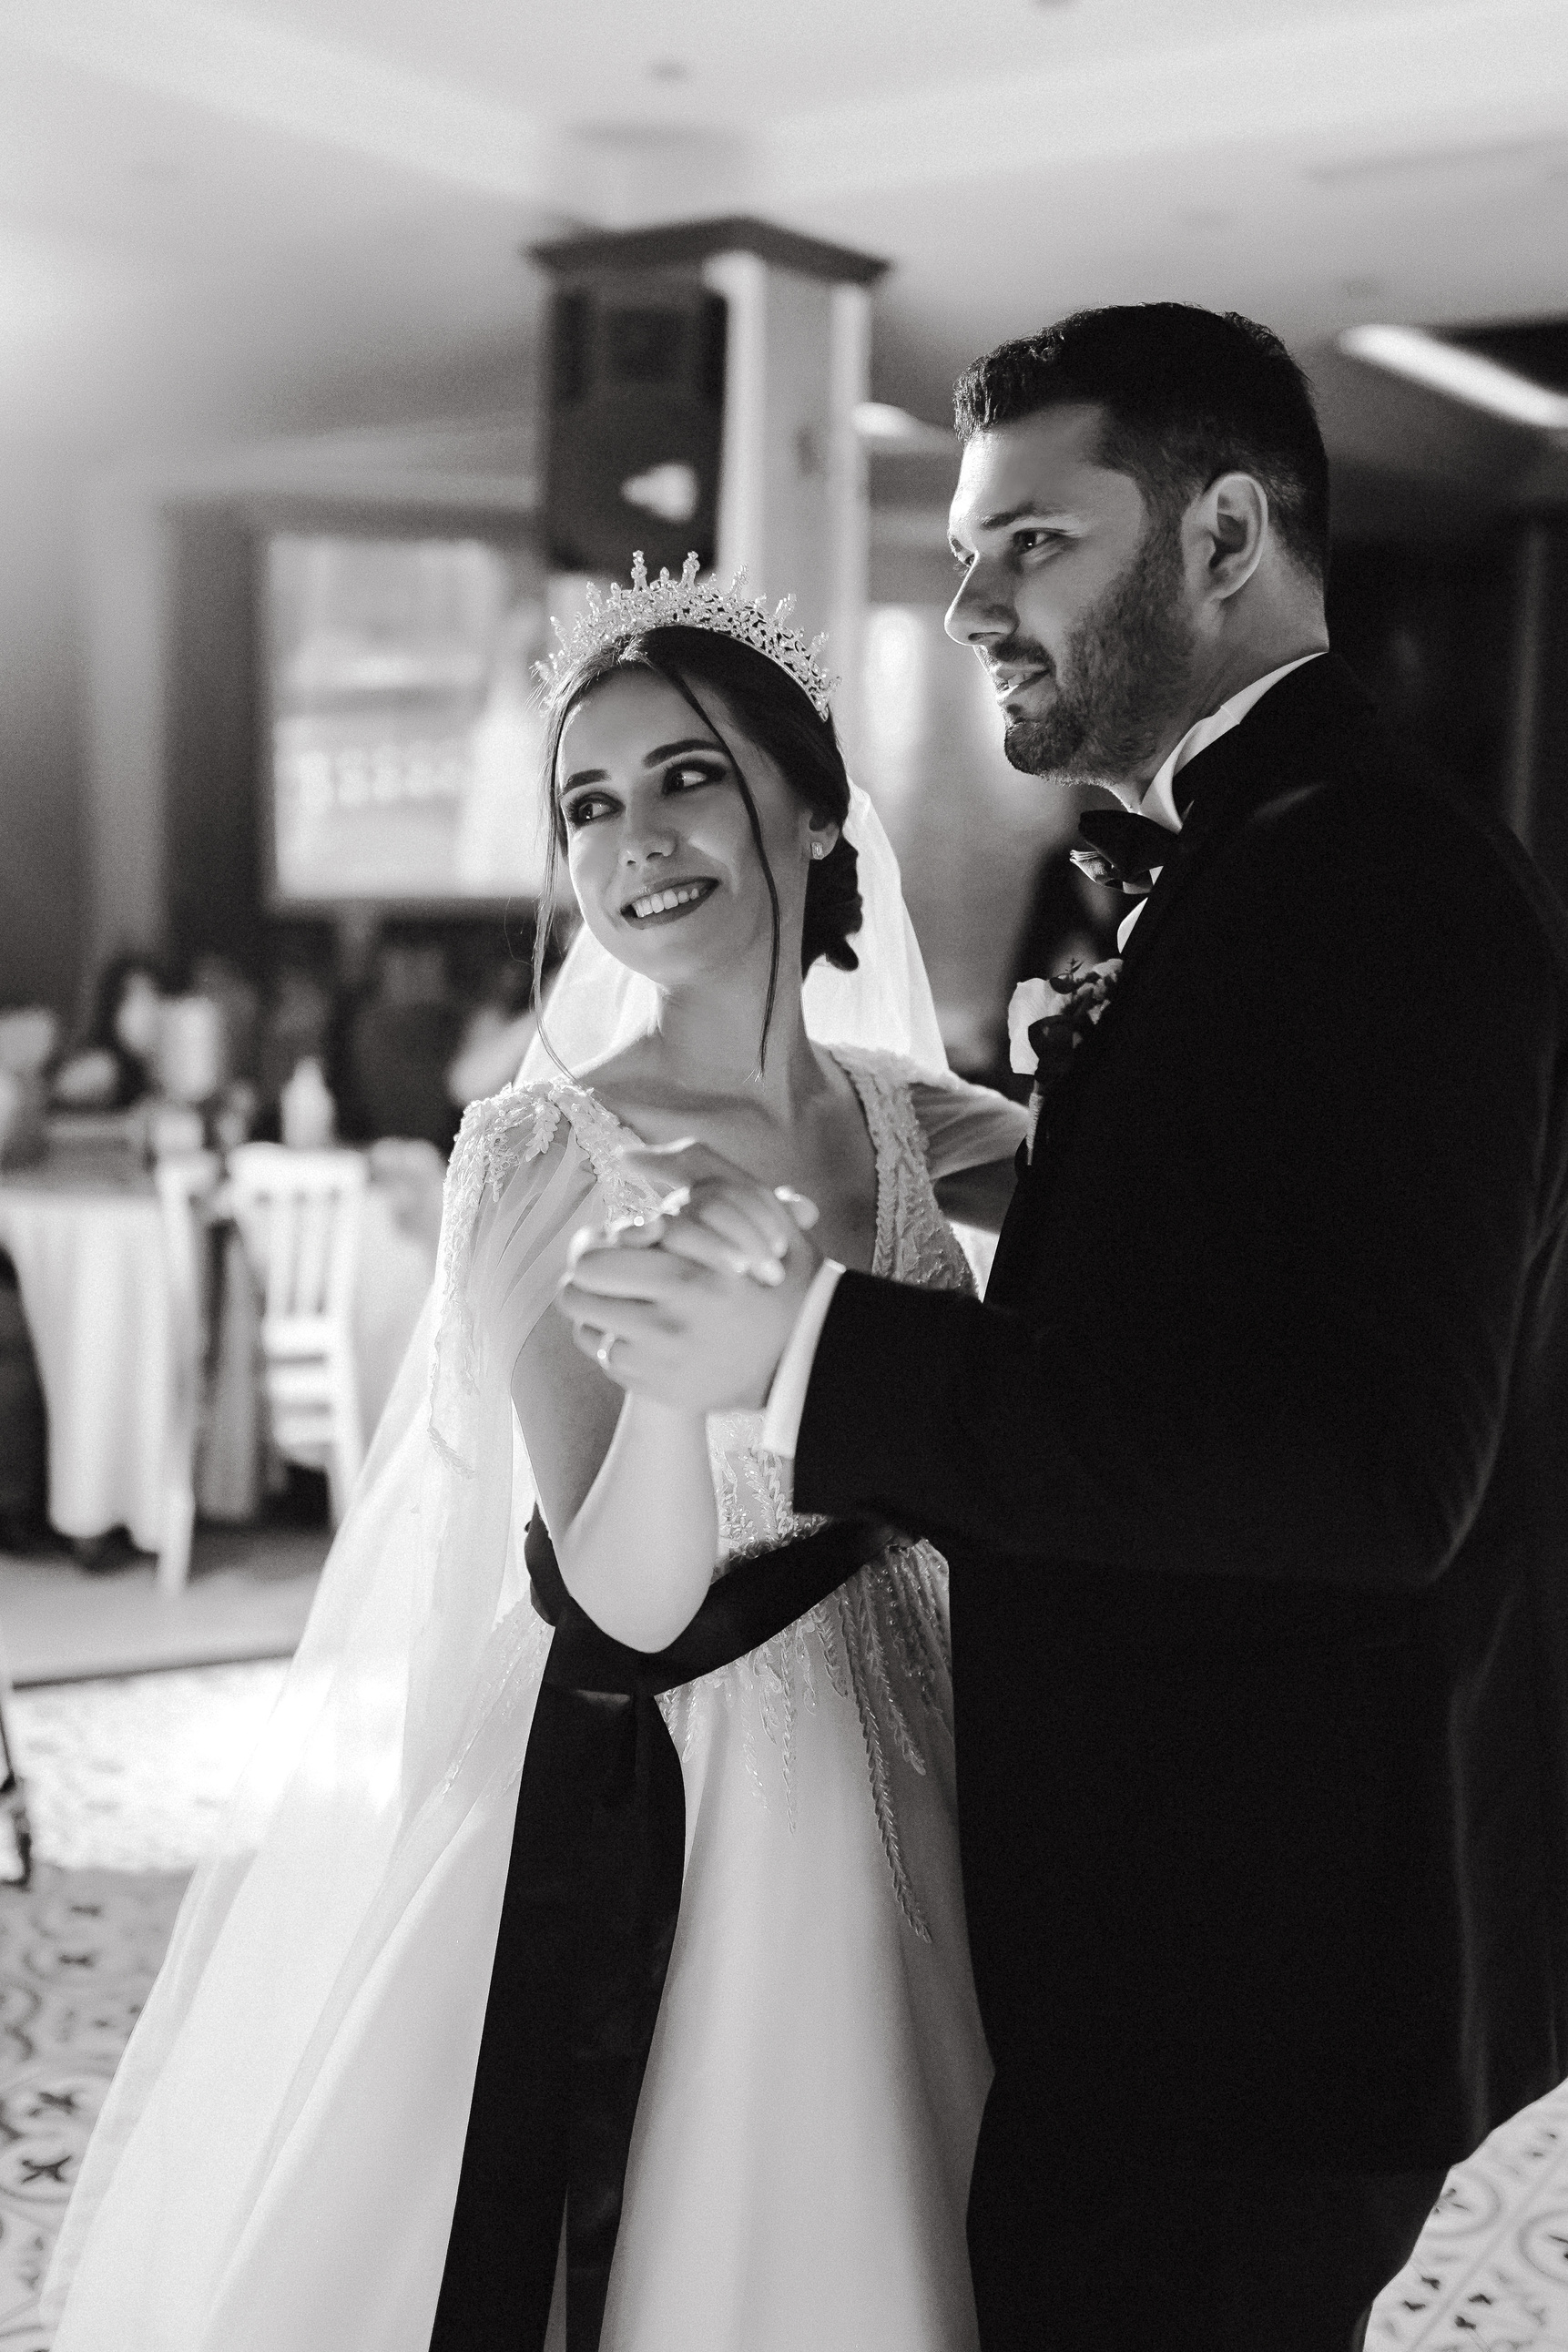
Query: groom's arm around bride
{"x": 1253, "y": 1468}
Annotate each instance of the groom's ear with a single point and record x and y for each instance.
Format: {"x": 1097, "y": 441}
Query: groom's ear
{"x": 1227, "y": 531}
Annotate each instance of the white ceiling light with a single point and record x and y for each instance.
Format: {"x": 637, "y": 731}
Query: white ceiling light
{"x": 1461, "y": 375}
{"x": 893, "y": 432}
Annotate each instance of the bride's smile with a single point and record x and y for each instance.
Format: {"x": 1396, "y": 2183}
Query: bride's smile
{"x": 669, "y": 901}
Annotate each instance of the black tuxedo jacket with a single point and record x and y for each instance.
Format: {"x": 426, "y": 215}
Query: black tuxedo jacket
{"x": 1253, "y": 1475}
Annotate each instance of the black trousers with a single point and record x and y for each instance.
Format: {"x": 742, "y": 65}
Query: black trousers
{"x": 1142, "y": 2257}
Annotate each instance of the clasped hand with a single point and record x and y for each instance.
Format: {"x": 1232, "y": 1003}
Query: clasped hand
{"x": 694, "y": 1304}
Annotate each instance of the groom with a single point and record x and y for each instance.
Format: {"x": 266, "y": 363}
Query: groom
{"x": 1252, "y": 1470}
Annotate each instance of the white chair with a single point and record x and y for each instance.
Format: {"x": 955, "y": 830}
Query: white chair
{"x": 299, "y": 1215}
{"x": 186, "y": 1186}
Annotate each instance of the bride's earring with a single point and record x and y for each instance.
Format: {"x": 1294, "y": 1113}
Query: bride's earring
{"x": 818, "y": 850}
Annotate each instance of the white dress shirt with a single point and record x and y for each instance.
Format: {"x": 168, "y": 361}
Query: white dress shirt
{"x": 786, "y": 1397}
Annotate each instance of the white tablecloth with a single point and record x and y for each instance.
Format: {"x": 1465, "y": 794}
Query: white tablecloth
{"x": 90, "y": 1268}
{"x": 90, "y": 1262}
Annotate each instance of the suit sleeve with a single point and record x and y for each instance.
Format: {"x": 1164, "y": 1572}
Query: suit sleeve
{"x": 1300, "y": 1209}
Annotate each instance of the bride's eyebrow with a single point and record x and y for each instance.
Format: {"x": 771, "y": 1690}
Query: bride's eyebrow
{"x": 660, "y": 751}
{"x": 687, "y": 743}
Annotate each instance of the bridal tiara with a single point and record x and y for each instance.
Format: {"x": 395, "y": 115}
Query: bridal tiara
{"x": 665, "y": 603}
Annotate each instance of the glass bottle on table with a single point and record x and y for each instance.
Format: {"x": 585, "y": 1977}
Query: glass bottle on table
{"x": 306, "y": 1113}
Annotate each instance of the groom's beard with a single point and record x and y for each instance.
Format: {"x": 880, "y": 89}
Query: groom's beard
{"x": 1127, "y": 667}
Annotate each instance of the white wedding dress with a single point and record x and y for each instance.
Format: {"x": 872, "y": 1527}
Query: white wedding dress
{"x": 276, "y": 2169}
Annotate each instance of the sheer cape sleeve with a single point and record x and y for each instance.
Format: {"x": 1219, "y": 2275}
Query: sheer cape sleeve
{"x": 393, "y": 1719}
{"x": 965, "y": 1126}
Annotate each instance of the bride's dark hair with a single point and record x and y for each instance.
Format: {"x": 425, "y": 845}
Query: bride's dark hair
{"x": 781, "y": 719}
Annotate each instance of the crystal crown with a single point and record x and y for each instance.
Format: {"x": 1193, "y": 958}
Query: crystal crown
{"x": 686, "y": 603}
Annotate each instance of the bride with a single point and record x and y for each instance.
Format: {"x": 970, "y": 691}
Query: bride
{"x": 437, "y": 1987}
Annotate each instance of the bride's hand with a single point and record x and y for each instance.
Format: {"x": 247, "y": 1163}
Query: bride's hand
{"x": 669, "y": 1314}
{"x": 713, "y": 1213}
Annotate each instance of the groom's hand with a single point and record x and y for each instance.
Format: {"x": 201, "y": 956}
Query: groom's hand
{"x": 693, "y": 1307}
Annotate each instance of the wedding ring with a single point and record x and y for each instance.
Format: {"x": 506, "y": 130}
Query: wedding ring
{"x": 603, "y": 1351}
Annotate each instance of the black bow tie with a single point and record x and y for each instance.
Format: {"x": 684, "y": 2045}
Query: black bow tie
{"x": 1122, "y": 849}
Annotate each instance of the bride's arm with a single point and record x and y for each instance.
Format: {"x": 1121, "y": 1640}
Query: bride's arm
{"x": 624, "y": 1488}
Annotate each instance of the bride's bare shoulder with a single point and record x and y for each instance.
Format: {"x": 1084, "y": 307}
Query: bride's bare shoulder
{"x": 631, "y": 1086}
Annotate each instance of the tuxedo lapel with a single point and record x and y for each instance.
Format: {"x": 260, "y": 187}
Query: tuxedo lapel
{"x": 1282, "y": 739}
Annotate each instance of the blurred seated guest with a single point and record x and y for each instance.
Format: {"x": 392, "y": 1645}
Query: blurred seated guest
{"x": 413, "y": 1175}
{"x": 490, "y": 1052}
{"x": 113, "y": 1065}
{"x": 221, "y": 980}
{"x": 500, "y": 1027}
{"x": 401, "y": 1041}
{"x": 296, "y": 1026}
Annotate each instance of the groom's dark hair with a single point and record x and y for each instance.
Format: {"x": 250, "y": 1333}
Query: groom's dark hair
{"x": 1188, "y": 394}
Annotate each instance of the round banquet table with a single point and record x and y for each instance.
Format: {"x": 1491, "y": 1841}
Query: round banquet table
{"x": 84, "y": 1232}
{"x": 86, "y": 1239}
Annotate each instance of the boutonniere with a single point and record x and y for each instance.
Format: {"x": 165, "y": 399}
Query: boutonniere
{"x": 1048, "y": 1020}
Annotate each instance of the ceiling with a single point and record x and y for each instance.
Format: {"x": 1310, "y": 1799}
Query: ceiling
{"x": 211, "y": 216}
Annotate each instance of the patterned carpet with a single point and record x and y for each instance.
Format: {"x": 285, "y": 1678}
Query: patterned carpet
{"x": 78, "y": 1953}
{"x": 1490, "y": 2273}
{"x": 124, "y": 1779}
{"x": 132, "y": 1774}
